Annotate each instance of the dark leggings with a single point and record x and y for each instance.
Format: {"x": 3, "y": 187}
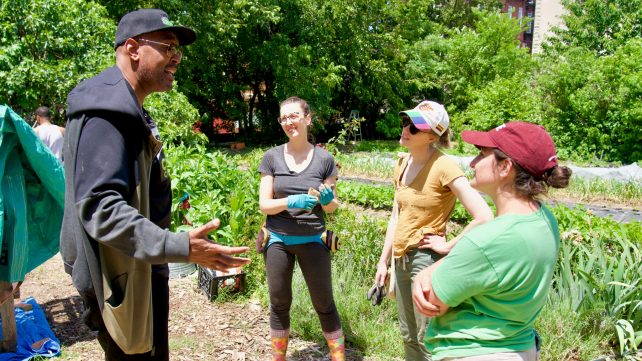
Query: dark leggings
{"x": 160, "y": 300}
{"x": 314, "y": 261}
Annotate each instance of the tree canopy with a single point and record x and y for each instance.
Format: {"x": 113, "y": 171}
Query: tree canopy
{"x": 374, "y": 56}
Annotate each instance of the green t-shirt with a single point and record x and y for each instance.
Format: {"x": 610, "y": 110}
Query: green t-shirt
{"x": 495, "y": 281}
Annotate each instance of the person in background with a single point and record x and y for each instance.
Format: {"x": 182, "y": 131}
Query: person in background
{"x": 50, "y": 134}
{"x": 427, "y": 184}
{"x": 115, "y": 241}
{"x": 295, "y": 221}
{"x": 486, "y": 293}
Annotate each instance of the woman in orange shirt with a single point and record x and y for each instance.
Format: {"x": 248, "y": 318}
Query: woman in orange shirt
{"x": 427, "y": 185}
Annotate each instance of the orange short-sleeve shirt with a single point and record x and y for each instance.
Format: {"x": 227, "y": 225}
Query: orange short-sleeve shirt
{"x": 426, "y": 204}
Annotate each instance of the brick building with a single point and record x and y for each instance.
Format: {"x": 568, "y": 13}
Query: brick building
{"x": 522, "y": 10}
{"x": 543, "y": 15}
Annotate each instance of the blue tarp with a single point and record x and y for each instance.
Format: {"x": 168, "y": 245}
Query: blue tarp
{"x": 35, "y": 337}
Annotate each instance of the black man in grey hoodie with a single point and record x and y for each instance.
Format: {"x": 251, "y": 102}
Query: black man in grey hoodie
{"x": 114, "y": 240}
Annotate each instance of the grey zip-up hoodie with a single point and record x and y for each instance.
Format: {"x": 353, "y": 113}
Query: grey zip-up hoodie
{"x": 116, "y": 206}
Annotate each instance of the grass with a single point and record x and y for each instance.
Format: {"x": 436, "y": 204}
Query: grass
{"x": 571, "y": 336}
{"x": 372, "y": 330}
{"x": 578, "y": 322}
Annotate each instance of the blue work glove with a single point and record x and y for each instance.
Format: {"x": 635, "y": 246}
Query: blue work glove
{"x": 327, "y": 195}
{"x": 303, "y": 201}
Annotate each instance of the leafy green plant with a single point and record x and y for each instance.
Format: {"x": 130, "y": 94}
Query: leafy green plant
{"x": 350, "y": 128}
{"x": 217, "y": 188}
{"x": 379, "y": 146}
{"x": 597, "y": 190}
{"x": 175, "y": 117}
{"x": 373, "y": 196}
{"x": 389, "y": 125}
{"x": 599, "y": 268}
{"x": 628, "y": 340}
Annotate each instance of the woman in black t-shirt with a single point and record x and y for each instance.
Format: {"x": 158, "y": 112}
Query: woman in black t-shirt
{"x": 296, "y": 223}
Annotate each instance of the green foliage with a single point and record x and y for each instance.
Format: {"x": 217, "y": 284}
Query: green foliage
{"x": 454, "y": 14}
{"x": 590, "y": 81}
{"x": 628, "y": 341}
{"x": 379, "y": 146}
{"x": 594, "y": 103}
{"x": 389, "y": 125}
{"x": 372, "y": 196}
{"x": 175, "y": 117}
{"x": 48, "y": 47}
{"x": 502, "y": 100}
{"x": 370, "y": 165}
{"x": 598, "y": 190}
{"x": 480, "y": 73}
{"x": 218, "y": 188}
{"x": 350, "y": 128}
{"x": 599, "y": 269}
{"x": 462, "y": 61}
{"x": 598, "y": 26}
{"x": 209, "y": 177}
{"x": 375, "y": 56}
{"x": 339, "y": 56}
{"x": 568, "y": 335}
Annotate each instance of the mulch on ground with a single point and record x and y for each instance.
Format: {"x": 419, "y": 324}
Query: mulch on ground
{"x": 198, "y": 329}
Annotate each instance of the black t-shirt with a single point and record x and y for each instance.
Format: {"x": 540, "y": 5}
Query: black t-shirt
{"x": 297, "y": 222}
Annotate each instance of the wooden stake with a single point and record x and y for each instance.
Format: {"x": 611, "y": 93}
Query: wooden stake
{"x": 7, "y": 312}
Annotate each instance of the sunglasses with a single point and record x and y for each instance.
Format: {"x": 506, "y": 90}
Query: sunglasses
{"x": 405, "y": 121}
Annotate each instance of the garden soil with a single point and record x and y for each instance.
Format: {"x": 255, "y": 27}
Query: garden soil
{"x": 198, "y": 329}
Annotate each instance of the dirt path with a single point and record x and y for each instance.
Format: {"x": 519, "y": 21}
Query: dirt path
{"x": 198, "y": 329}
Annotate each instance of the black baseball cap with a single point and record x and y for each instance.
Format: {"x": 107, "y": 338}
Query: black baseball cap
{"x": 148, "y": 20}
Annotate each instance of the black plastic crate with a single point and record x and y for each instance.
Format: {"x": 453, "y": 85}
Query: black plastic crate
{"x": 211, "y": 284}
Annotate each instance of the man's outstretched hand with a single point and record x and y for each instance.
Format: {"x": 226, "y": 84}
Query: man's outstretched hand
{"x": 213, "y": 255}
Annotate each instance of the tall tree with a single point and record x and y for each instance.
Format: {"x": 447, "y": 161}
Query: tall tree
{"x": 589, "y": 82}
{"x": 47, "y": 47}
{"x": 600, "y": 26}
{"x": 593, "y": 104}
{"x": 472, "y": 69}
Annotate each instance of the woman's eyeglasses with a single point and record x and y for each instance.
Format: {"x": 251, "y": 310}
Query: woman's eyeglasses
{"x": 171, "y": 49}
{"x": 405, "y": 121}
{"x": 292, "y": 117}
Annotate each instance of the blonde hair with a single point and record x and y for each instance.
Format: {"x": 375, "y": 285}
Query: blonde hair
{"x": 444, "y": 141}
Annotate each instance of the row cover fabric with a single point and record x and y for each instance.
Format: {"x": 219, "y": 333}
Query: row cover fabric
{"x": 31, "y": 198}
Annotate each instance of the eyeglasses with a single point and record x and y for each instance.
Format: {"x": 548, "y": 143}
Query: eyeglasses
{"x": 293, "y": 117}
{"x": 171, "y": 50}
{"x": 405, "y": 121}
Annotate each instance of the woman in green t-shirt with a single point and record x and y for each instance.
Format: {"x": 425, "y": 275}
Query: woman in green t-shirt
{"x": 427, "y": 185}
{"x": 485, "y": 295}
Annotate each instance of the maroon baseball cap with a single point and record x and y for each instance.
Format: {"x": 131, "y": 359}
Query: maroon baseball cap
{"x": 527, "y": 144}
